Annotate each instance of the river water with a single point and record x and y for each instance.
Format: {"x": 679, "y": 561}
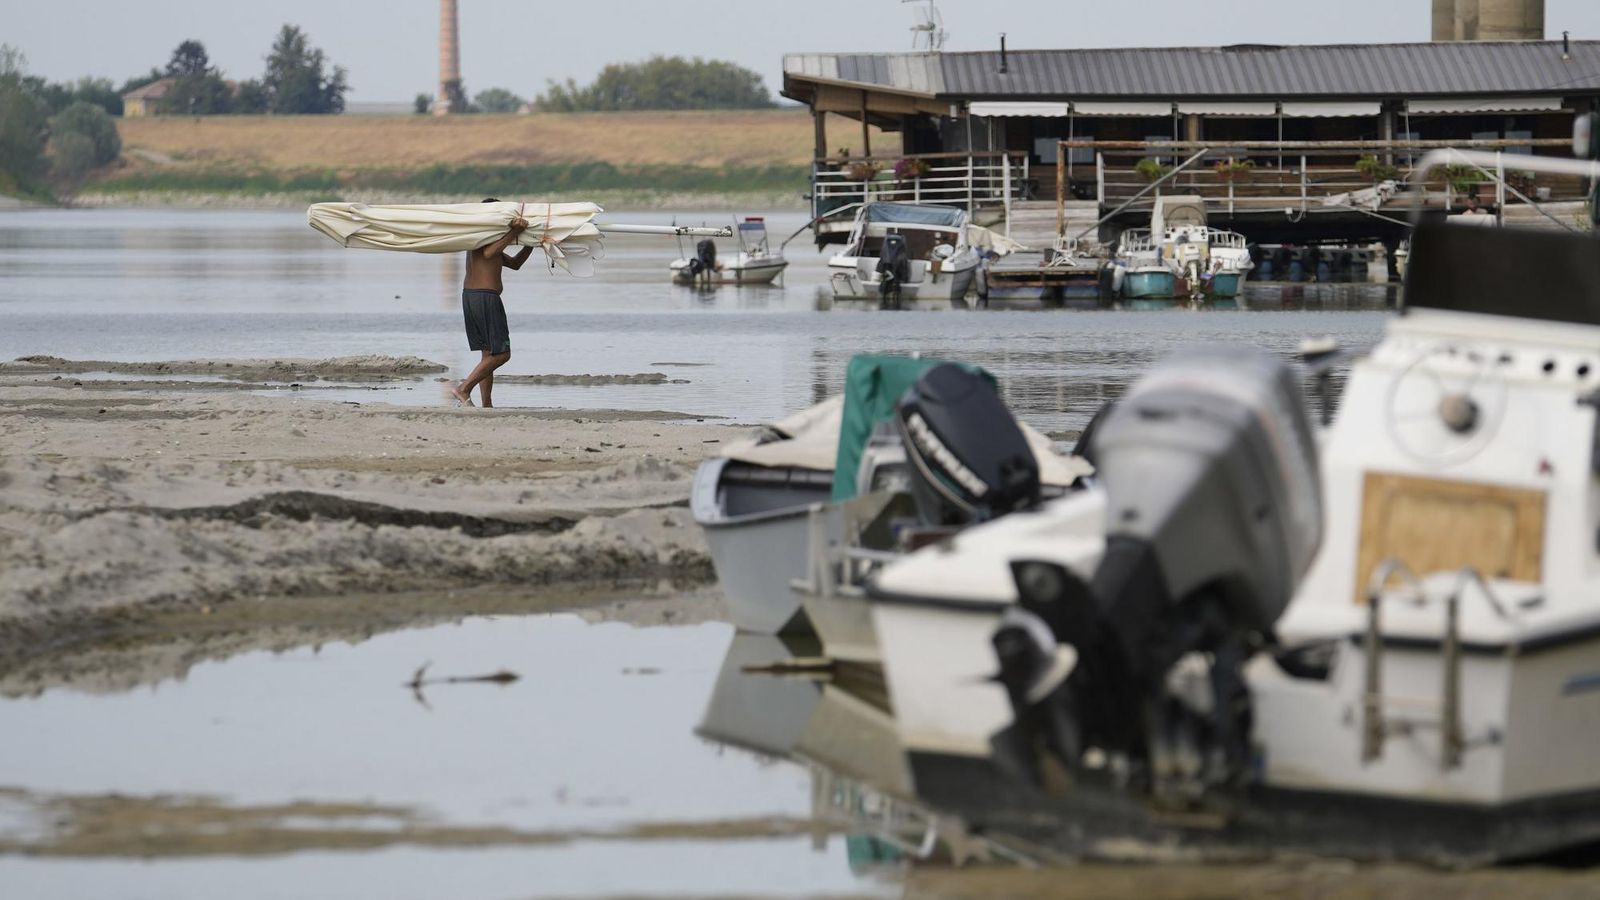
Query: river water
{"x": 304, "y": 768}
{"x": 138, "y": 285}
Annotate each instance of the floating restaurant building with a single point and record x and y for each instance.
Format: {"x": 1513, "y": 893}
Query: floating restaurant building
{"x": 1275, "y": 126}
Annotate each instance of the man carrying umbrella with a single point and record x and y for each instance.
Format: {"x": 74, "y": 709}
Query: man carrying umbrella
{"x": 484, "y": 312}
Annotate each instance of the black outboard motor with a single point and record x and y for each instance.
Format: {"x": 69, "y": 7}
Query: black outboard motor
{"x": 705, "y": 260}
{"x": 894, "y": 267}
{"x": 1214, "y": 513}
{"x": 970, "y": 461}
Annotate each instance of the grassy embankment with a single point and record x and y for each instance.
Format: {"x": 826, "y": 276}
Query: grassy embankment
{"x": 729, "y": 158}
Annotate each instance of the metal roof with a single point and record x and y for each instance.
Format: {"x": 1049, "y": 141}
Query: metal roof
{"x": 1335, "y": 70}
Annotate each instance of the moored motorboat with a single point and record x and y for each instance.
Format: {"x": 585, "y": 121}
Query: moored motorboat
{"x": 755, "y": 262}
{"x": 902, "y": 254}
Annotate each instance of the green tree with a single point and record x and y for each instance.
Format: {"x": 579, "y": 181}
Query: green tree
{"x": 91, "y": 122}
{"x": 251, "y": 98}
{"x": 498, "y": 100}
{"x": 71, "y": 157}
{"x": 661, "y": 82}
{"x": 298, "y": 79}
{"x": 190, "y": 58}
{"x": 422, "y": 104}
{"x": 23, "y": 126}
{"x": 197, "y": 88}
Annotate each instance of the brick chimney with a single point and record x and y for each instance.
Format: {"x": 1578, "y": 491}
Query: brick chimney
{"x": 449, "y": 56}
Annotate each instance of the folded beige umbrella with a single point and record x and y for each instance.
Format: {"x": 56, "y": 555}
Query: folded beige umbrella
{"x": 566, "y": 232}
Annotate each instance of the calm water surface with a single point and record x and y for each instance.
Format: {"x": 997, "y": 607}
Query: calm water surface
{"x": 146, "y": 285}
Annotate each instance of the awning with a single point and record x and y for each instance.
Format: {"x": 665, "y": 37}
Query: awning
{"x": 1333, "y": 109}
{"x": 1122, "y": 108}
{"x": 1003, "y": 108}
{"x": 1223, "y": 108}
{"x": 1469, "y": 105}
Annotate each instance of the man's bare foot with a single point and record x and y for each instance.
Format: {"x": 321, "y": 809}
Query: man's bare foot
{"x": 461, "y": 398}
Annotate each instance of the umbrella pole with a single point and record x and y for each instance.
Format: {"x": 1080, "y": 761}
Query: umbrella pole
{"x": 667, "y": 230}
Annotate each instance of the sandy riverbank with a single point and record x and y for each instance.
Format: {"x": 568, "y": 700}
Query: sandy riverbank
{"x": 121, "y": 500}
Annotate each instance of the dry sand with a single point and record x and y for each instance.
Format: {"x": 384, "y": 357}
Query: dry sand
{"x": 118, "y": 502}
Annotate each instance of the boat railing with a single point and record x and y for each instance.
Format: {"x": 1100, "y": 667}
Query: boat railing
{"x": 967, "y": 180}
{"x": 1377, "y": 725}
{"x": 1365, "y": 176}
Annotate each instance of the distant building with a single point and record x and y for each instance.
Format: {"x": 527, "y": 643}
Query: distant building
{"x": 146, "y": 101}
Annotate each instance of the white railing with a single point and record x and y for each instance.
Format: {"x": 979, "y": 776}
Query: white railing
{"x": 947, "y": 179}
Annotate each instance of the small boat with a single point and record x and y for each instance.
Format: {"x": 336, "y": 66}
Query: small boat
{"x": 755, "y": 263}
{"x": 903, "y": 254}
{"x": 772, "y": 506}
{"x": 1140, "y": 273}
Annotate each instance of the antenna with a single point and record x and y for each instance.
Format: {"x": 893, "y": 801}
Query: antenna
{"x": 928, "y": 34}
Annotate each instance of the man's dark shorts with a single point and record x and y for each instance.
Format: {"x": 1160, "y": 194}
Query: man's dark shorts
{"x": 486, "y": 321}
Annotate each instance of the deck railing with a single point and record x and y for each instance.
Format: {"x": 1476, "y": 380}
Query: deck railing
{"x": 1299, "y": 176}
{"x": 967, "y": 180}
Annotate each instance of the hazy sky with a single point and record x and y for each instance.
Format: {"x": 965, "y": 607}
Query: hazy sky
{"x": 391, "y": 46}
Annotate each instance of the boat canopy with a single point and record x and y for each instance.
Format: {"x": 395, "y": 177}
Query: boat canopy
{"x": 913, "y": 214}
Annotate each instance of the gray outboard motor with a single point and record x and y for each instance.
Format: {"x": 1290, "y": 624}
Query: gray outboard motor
{"x": 705, "y": 260}
{"x": 970, "y": 461}
{"x": 894, "y": 265}
{"x": 1214, "y": 513}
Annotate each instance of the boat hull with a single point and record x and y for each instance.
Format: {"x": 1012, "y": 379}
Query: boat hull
{"x": 1140, "y": 284}
{"x": 757, "y": 555}
{"x": 1227, "y": 285}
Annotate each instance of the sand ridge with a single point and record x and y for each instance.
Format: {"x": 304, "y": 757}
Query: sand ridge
{"x": 120, "y": 502}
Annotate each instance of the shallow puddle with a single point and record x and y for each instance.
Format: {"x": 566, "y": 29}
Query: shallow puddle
{"x": 315, "y": 771}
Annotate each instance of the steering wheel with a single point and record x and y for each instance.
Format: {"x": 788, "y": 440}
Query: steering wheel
{"x": 1446, "y": 404}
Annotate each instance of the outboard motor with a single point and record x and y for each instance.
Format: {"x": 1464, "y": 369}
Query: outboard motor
{"x": 705, "y": 260}
{"x": 970, "y": 461}
{"x": 1214, "y": 513}
{"x": 894, "y": 267}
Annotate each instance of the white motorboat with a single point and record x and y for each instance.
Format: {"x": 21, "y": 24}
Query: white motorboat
{"x": 755, "y": 263}
{"x": 904, "y": 254}
{"x": 1180, "y": 256}
{"x": 1433, "y": 689}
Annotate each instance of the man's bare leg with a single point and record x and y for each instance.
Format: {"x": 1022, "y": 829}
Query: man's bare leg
{"x": 463, "y": 389}
{"x": 486, "y": 386}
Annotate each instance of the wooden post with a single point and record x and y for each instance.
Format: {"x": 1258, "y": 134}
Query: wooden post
{"x": 819, "y": 125}
{"x": 866, "y": 129}
{"x": 1061, "y": 190}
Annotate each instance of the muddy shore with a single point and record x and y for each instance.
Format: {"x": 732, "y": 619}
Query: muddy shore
{"x": 121, "y": 500}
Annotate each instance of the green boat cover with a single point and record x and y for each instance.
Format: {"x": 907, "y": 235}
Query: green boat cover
{"x": 872, "y": 387}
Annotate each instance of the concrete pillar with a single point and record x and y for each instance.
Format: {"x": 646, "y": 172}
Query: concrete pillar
{"x": 1191, "y": 128}
{"x": 449, "y": 55}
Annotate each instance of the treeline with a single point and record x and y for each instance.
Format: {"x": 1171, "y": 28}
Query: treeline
{"x": 54, "y": 134}
{"x": 299, "y": 80}
{"x": 661, "y": 82}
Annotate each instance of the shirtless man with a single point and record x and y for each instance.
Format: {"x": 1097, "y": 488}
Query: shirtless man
{"x": 485, "y": 315}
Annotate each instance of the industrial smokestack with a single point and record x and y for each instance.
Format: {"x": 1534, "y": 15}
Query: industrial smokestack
{"x": 1444, "y": 20}
{"x": 449, "y": 58}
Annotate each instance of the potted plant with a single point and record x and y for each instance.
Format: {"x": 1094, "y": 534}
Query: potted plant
{"x": 1376, "y": 169}
{"x": 1462, "y": 179}
{"x": 910, "y": 169}
{"x": 1233, "y": 169}
{"x": 864, "y": 169}
{"x": 1152, "y": 170}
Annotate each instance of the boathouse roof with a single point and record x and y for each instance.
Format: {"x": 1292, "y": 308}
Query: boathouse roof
{"x": 1477, "y": 68}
